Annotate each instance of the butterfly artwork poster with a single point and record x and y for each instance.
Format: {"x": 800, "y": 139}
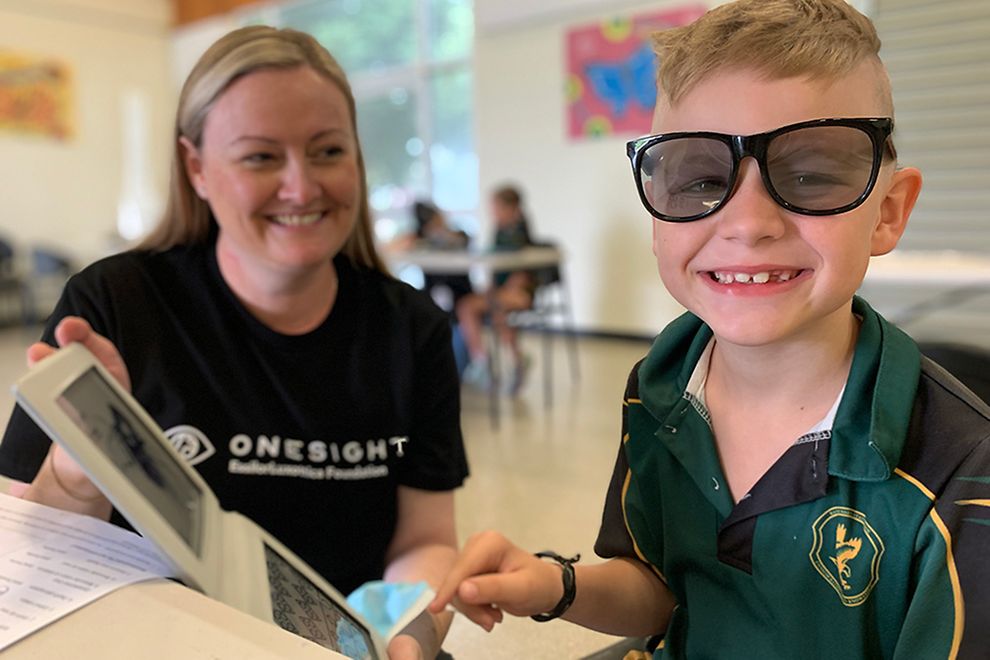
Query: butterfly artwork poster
{"x": 611, "y": 72}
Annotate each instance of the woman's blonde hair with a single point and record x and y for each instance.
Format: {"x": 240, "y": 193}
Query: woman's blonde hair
{"x": 187, "y": 217}
{"x": 779, "y": 38}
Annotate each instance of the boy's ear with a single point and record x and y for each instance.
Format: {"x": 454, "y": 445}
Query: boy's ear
{"x": 193, "y": 163}
{"x": 902, "y": 193}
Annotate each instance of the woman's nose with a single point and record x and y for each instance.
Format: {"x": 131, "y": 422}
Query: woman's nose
{"x": 299, "y": 184}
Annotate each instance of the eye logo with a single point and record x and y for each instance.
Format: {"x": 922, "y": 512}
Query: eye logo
{"x": 846, "y": 552}
{"x": 191, "y": 443}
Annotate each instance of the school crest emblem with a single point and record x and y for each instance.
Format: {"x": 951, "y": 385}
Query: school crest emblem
{"x": 846, "y": 552}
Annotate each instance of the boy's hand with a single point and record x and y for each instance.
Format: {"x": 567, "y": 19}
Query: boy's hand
{"x": 492, "y": 576}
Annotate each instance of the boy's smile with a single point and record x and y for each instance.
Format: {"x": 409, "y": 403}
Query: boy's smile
{"x": 757, "y": 273}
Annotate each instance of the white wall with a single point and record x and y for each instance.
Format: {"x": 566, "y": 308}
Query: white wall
{"x": 190, "y": 41}
{"x": 578, "y": 193}
{"x": 65, "y": 194}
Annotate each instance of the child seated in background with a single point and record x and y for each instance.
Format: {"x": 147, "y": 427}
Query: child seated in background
{"x": 794, "y": 479}
{"x": 433, "y": 232}
{"x": 513, "y": 292}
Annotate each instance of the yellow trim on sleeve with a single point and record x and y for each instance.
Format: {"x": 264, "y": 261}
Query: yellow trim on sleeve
{"x": 950, "y": 561}
{"x": 960, "y": 618}
{"x": 973, "y": 502}
{"x": 920, "y": 486}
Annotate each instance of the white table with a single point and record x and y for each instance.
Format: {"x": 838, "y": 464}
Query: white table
{"x": 466, "y": 262}
{"x": 949, "y": 277}
{"x": 162, "y": 620}
{"x": 484, "y": 265}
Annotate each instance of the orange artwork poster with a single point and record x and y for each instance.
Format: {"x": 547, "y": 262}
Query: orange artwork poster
{"x": 35, "y": 96}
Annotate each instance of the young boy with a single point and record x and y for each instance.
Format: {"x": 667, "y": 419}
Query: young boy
{"x": 794, "y": 479}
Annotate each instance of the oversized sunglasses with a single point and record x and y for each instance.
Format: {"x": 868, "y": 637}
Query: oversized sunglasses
{"x": 818, "y": 167}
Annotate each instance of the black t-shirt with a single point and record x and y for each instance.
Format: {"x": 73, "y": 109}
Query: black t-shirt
{"x": 308, "y": 435}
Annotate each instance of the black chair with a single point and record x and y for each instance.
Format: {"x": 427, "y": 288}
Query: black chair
{"x": 550, "y": 314}
{"x": 969, "y": 364}
{"x": 11, "y": 286}
{"x": 49, "y": 271}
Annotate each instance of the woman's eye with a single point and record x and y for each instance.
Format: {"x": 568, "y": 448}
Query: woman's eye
{"x": 330, "y": 152}
{"x": 258, "y": 158}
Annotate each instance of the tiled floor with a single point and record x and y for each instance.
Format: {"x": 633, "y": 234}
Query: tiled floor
{"x": 540, "y": 478}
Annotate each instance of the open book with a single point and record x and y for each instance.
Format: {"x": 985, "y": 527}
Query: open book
{"x": 222, "y": 554}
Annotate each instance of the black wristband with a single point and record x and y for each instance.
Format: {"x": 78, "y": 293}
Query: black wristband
{"x": 570, "y": 587}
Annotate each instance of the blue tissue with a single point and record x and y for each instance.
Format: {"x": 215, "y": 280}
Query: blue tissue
{"x": 390, "y": 606}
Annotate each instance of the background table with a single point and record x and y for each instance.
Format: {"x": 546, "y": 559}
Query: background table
{"x": 483, "y": 266}
{"x": 942, "y": 279}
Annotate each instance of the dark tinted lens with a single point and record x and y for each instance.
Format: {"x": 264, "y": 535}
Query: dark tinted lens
{"x": 820, "y": 168}
{"x": 684, "y": 177}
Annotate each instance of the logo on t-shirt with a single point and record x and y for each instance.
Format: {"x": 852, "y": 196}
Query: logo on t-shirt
{"x": 846, "y": 552}
{"x": 191, "y": 443}
{"x": 277, "y": 456}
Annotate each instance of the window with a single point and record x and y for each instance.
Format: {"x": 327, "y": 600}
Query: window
{"x": 937, "y": 54}
{"x": 409, "y": 64}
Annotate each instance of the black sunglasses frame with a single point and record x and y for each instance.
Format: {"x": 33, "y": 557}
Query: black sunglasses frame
{"x": 878, "y": 129}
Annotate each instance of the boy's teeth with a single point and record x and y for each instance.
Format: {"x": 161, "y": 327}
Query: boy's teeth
{"x": 753, "y": 278}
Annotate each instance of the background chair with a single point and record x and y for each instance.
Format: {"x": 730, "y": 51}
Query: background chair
{"x": 550, "y": 314}
{"x": 11, "y": 286}
{"x": 48, "y": 272}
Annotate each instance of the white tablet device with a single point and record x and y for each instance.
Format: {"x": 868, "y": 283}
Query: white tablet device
{"x": 222, "y": 554}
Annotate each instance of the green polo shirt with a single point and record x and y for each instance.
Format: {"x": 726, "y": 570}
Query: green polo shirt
{"x": 854, "y": 544}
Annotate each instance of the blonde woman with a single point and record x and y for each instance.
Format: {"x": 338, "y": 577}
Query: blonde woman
{"x": 315, "y": 393}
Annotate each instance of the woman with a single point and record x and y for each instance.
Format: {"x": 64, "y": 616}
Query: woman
{"x": 314, "y": 393}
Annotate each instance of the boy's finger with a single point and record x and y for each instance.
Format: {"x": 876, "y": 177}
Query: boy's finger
{"x": 512, "y": 591}
{"x": 472, "y": 562}
{"x": 483, "y": 615}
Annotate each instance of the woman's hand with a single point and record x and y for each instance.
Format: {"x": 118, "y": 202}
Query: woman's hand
{"x": 492, "y": 576}
{"x": 61, "y": 482}
{"x": 404, "y": 647}
{"x": 73, "y": 329}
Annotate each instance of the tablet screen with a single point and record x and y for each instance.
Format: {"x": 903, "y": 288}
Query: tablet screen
{"x": 301, "y": 607}
{"x": 137, "y": 451}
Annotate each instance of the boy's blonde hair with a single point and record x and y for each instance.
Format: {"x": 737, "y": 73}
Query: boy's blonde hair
{"x": 780, "y": 38}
